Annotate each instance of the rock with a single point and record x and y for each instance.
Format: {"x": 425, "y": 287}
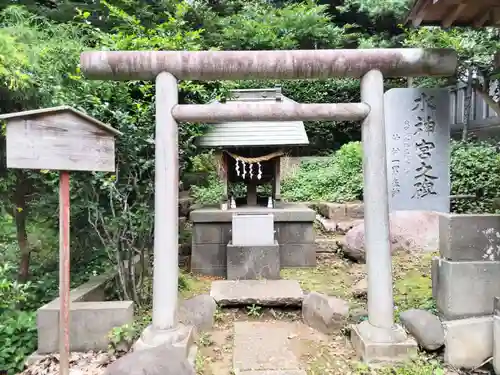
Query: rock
{"x": 324, "y": 313}
{"x": 360, "y": 288}
{"x": 344, "y": 226}
{"x": 334, "y": 211}
{"x": 355, "y": 210}
{"x": 415, "y": 231}
{"x": 326, "y": 225}
{"x": 424, "y": 327}
{"x": 161, "y": 360}
{"x": 198, "y": 312}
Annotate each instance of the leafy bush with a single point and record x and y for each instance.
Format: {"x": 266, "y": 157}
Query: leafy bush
{"x": 335, "y": 179}
{"x": 475, "y": 169}
{"x": 17, "y": 328}
{"x": 18, "y": 338}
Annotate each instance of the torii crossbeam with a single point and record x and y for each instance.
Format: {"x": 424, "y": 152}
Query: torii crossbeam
{"x": 374, "y": 339}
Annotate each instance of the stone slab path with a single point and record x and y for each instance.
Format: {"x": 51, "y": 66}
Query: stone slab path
{"x": 259, "y": 292}
{"x": 264, "y": 349}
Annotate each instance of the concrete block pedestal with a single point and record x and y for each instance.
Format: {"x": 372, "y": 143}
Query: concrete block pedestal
{"x": 377, "y": 345}
{"x": 465, "y": 282}
{"x": 253, "y": 262}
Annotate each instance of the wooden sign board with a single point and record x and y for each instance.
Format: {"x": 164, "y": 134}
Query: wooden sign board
{"x": 59, "y": 138}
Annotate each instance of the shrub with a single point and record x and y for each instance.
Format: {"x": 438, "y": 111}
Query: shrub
{"x": 335, "y": 179}
{"x": 18, "y": 338}
{"x": 475, "y": 169}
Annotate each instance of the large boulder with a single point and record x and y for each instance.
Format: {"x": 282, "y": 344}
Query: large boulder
{"x": 324, "y": 313}
{"x": 425, "y": 327}
{"x": 161, "y": 360}
{"x": 414, "y": 231}
{"x": 198, "y": 312}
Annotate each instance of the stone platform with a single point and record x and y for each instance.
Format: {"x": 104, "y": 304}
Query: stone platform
{"x": 293, "y": 226}
{"x": 258, "y": 292}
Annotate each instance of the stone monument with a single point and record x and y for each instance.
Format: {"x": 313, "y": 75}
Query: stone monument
{"x": 418, "y": 149}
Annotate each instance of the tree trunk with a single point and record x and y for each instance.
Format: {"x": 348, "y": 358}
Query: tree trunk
{"x": 20, "y": 218}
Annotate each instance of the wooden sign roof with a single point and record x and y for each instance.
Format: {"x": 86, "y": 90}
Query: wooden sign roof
{"x": 56, "y": 110}
{"x": 447, "y": 13}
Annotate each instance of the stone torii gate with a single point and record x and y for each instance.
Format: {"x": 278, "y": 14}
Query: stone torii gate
{"x": 379, "y": 337}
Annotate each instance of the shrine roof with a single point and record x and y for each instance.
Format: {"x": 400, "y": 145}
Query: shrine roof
{"x": 256, "y": 133}
{"x": 446, "y": 13}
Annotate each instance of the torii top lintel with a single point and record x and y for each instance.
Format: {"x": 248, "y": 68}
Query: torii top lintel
{"x": 296, "y": 64}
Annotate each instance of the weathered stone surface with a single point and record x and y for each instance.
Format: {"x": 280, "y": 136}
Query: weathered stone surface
{"x": 90, "y": 323}
{"x": 391, "y": 346}
{"x": 327, "y": 225}
{"x": 334, "y": 211}
{"x": 468, "y": 342}
{"x": 418, "y": 138}
{"x": 254, "y": 229}
{"x": 410, "y": 231}
{"x": 253, "y": 262}
{"x": 345, "y": 226}
{"x": 360, "y": 288}
{"x": 263, "y": 346}
{"x": 424, "y": 327}
{"x": 198, "y": 311}
{"x": 469, "y": 237}
{"x": 355, "y": 210}
{"x": 162, "y": 360}
{"x": 209, "y": 259}
{"x": 298, "y": 255}
{"x": 295, "y": 233}
{"x": 259, "y": 292}
{"x": 324, "y": 313}
{"x": 326, "y": 245}
{"x": 465, "y": 289}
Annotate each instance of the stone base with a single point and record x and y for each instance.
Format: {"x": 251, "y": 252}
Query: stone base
{"x": 376, "y": 345}
{"x": 253, "y": 262}
{"x": 180, "y": 337}
{"x": 468, "y": 342}
{"x": 456, "y": 285}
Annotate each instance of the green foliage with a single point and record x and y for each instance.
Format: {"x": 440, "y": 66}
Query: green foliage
{"x": 475, "y": 169}
{"x": 18, "y": 338}
{"x": 12, "y": 293}
{"x": 262, "y": 26}
{"x": 335, "y": 179}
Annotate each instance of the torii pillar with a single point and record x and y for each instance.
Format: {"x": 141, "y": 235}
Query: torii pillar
{"x": 378, "y": 338}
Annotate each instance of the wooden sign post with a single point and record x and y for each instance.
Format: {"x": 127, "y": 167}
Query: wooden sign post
{"x": 63, "y": 139}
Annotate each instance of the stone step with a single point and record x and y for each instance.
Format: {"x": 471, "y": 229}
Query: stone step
{"x": 264, "y": 349}
{"x": 259, "y": 292}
